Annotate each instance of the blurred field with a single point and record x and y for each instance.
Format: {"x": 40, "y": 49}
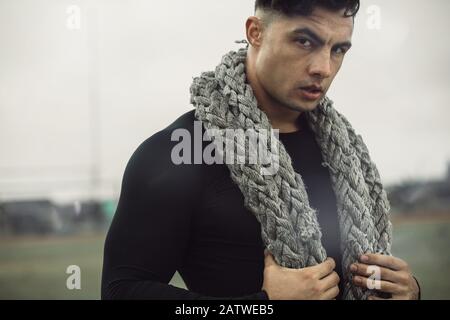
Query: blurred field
{"x": 34, "y": 268}
{"x": 426, "y": 247}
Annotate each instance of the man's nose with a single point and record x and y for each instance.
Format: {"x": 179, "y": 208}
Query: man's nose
{"x": 320, "y": 66}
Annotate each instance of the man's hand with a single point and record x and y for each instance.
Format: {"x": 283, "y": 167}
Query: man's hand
{"x": 395, "y": 276}
{"x": 318, "y": 282}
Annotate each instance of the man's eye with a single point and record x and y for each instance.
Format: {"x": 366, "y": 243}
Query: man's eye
{"x": 305, "y": 42}
{"x": 340, "y": 51}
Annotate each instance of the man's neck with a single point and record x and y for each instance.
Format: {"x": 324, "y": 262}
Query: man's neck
{"x": 280, "y": 117}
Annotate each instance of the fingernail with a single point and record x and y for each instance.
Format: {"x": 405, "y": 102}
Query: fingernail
{"x": 364, "y": 258}
{"x": 353, "y": 268}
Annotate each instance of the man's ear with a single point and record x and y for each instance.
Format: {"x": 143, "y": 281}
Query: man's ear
{"x": 254, "y": 31}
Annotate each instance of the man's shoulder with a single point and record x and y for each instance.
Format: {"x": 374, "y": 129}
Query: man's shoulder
{"x": 162, "y": 139}
{"x": 184, "y": 121}
{"x": 152, "y": 168}
{"x": 170, "y": 149}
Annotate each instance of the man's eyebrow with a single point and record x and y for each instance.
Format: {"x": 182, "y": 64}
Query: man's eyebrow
{"x": 318, "y": 39}
{"x": 309, "y": 33}
{"x": 347, "y": 44}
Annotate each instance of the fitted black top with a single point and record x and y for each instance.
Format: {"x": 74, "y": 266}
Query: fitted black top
{"x": 191, "y": 218}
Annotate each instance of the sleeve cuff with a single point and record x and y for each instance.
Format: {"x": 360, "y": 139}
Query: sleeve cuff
{"x": 420, "y": 296}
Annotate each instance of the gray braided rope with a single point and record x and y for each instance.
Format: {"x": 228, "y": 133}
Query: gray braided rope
{"x": 289, "y": 225}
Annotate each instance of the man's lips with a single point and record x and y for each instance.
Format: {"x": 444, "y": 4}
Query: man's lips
{"x": 312, "y": 93}
{"x": 314, "y": 87}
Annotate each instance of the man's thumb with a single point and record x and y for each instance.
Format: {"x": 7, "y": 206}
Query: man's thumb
{"x": 268, "y": 258}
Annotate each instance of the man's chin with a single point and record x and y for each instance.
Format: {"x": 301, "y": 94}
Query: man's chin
{"x": 306, "y": 106}
{"x": 302, "y": 105}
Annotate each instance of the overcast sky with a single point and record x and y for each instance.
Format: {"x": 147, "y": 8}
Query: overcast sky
{"x": 134, "y": 62}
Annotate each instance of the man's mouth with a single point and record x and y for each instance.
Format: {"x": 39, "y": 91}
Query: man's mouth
{"x": 311, "y": 93}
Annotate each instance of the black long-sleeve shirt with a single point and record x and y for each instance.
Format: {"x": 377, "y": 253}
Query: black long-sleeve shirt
{"x": 191, "y": 218}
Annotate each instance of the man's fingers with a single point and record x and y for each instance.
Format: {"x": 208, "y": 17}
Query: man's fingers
{"x": 268, "y": 259}
{"x": 379, "y": 285}
{"x": 330, "y": 294}
{"x": 368, "y": 270}
{"x": 324, "y": 269}
{"x": 390, "y": 262}
{"x": 376, "y": 298}
{"x": 330, "y": 281}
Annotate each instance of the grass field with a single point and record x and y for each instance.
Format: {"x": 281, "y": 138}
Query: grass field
{"x": 426, "y": 247}
{"x": 35, "y": 268}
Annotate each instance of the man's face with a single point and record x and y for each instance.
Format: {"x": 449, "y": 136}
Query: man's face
{"x": 300, "y": 56}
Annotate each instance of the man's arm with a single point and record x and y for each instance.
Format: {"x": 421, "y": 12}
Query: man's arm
{"x": 149, "y": 234}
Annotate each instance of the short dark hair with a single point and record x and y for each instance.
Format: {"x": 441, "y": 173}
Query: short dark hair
{"x": 305, "y": 7}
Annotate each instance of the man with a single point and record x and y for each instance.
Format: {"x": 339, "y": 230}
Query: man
{"x": 233, "y": 232}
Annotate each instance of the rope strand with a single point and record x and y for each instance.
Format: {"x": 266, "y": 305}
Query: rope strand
{"x": 289, "y": 226}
